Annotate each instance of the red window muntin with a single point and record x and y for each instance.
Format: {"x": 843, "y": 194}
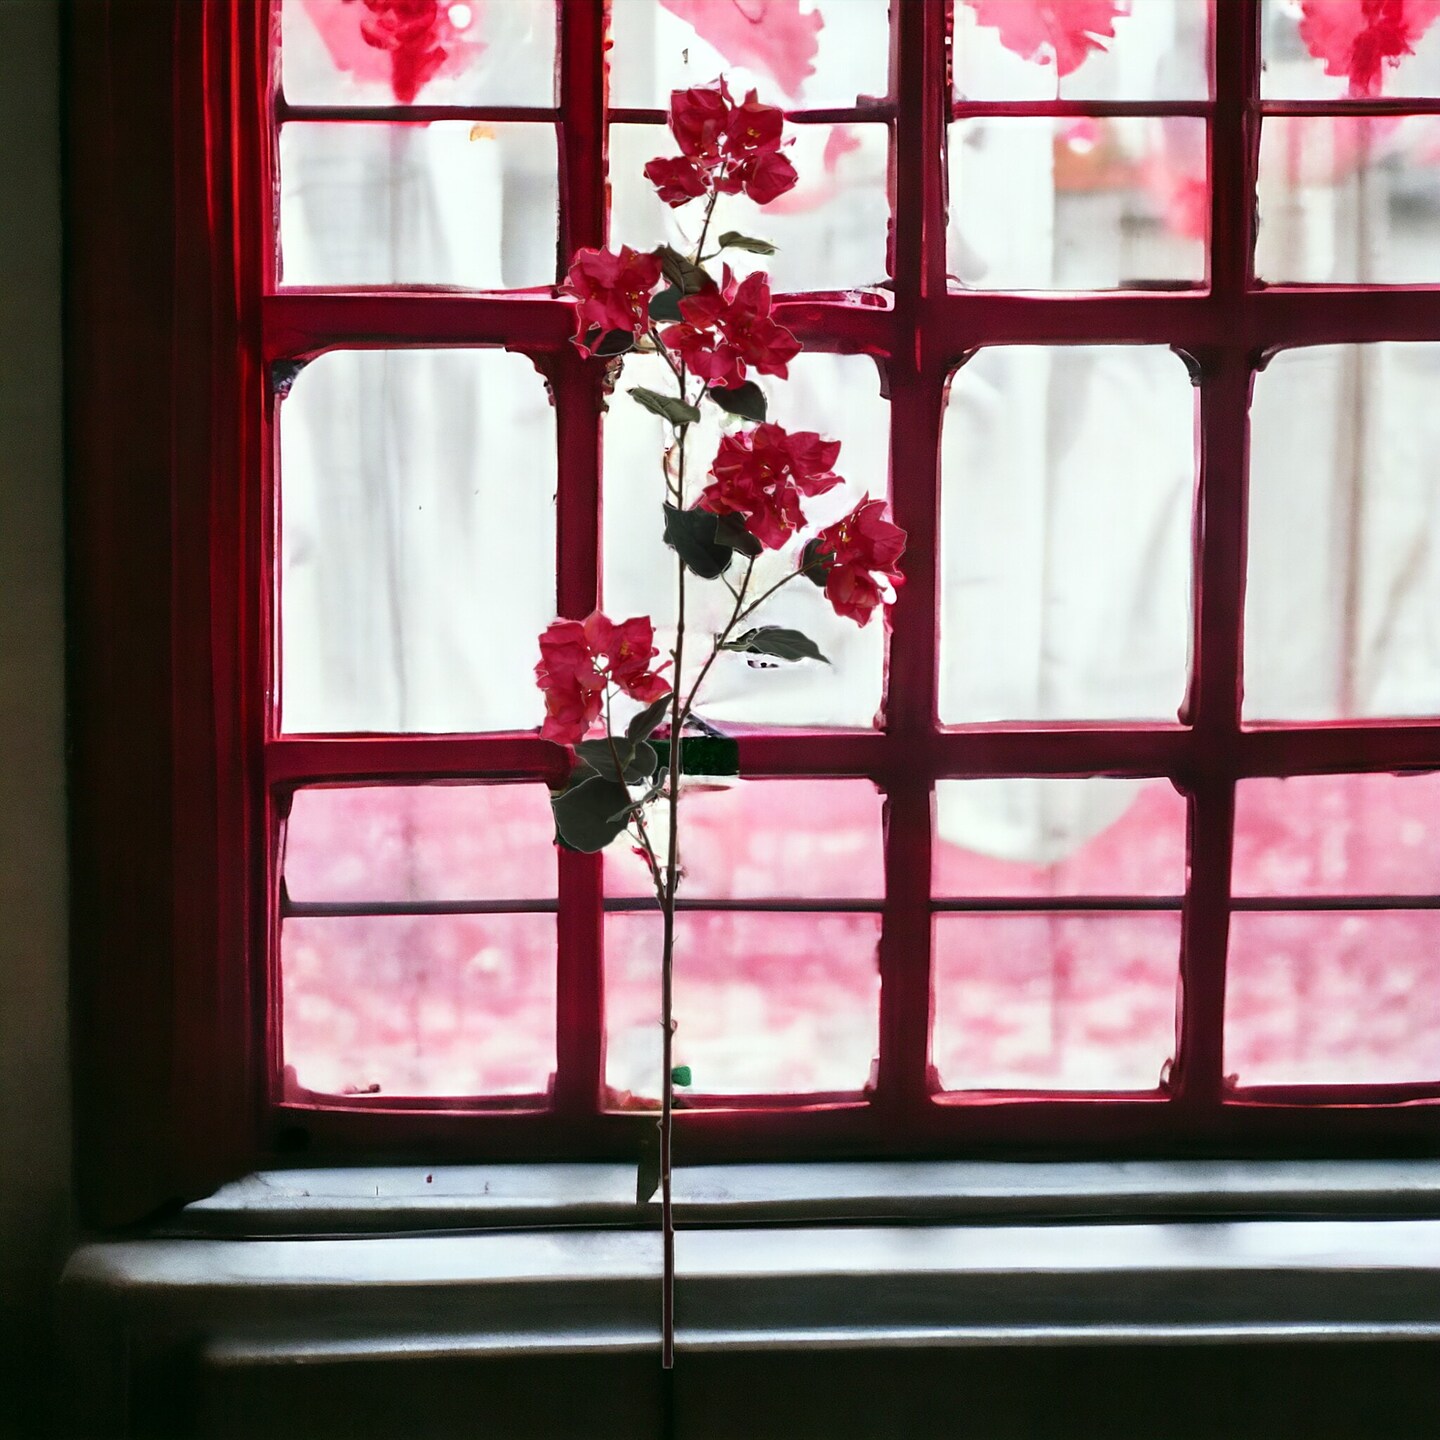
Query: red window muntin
{"x": 1224, "y": 331}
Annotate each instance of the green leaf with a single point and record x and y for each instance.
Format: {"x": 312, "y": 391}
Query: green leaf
{"x": 586, "y": 815}
{"x": 642, "y": 726}
{"x": 702, "y": 755}
{"x": 730, "y": 530}
{"x": 612, "y": 342}
{"x": 815, "y": 563}
{"x": 682, "y": 271}
{"x": 670, "y": 407}
{"x": 637, "y": 761}
{"x": 647, "y": 1172}
{"x": 734, "y": 240}
{"x": 680, "y": 1075}
{"x": 691, "y": 535}
{"x": 777, "y": 641}
{"x": 666, "y": 305}
{"x": 747, "y": 400}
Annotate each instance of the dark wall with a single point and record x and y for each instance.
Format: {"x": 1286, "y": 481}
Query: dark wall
{"x": 34, "y": 1103}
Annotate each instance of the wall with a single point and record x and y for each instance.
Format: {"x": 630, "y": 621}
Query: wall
{"x": 34, "y": 1103}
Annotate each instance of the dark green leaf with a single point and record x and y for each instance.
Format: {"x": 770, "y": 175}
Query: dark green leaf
{"x": 702, "y": 755}
{"x": 637, "y": 761}
{"x": 612, "y": 342}
{"x": 691, "y": 535}
{"x": 647, "y": 1173}
{"x": 680, "y": 1075}
{"x": 747, "y": 400}
{"x": 586, "y": 814}
{"x": 642, "y": 725}
{"x": 777, "y": 641}
{"x": 666, "y": 305}
{"x": 734, "y": 240}
{"x": 682, "y": 271}
{"x": 730, "y": 530}
{"x": 815, "y": 563}
{"x": 670, "y": 407}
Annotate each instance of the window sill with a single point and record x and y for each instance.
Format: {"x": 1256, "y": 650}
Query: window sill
{"x": 327, "y": 1272}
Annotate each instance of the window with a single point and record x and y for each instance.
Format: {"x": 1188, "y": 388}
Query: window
{"x": 1043, "y": 872}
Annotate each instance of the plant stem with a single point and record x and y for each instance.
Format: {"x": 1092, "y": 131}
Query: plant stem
{"x": 779, "y": 584}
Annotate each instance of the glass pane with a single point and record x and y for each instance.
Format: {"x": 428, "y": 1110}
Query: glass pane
{"x": 794, "y": 52}
{"x": 1078, "y": 202}
{"x": 764, "y": 1004}
{"x": 1343, "y": 593}
{"x": 1040, "y": 837}
{"x": 420, "y": 1005}
{"x": 453, "y": 52}
{"x": 1324, "y": 49}
{"x": 418, "y": 541}
{"x": 421, "y": 842}
{"x": 1325, "y": 998}
{"x": 1349, "y": 200}
{"x": 768, "y": 839}
{"x": 1338, "y": 835}
{"x": 444, "y": 204}
{"x": 831, "y": 228}
{"x": 1054, "y": 1002}
{"x": 1068, "y": 482}
{"x": 1114, "y": 50}
{"x": 836, "y": 395}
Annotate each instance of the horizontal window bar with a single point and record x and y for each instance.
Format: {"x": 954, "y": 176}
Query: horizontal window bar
{"x": 300, "y": 323}
{"x": 413, "y": 114}
{"x": 1053, "y": 904}
{"x": 862, "y": 114}
{"x": 1347, "y": 109}
{"x": 978, "y": 109}
{"x": 619, "y": 904}
{"x": 1267, "y": 903}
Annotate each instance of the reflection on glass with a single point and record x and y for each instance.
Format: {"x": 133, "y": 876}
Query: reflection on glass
{"x": 836, "y": 395}
{"x": 1343, "y": 591}
{"x": 1130, "y": 50}
{"x": 764, "y": 1004}
{"x": 1078, "y": 202}
{"x": 796, "y": 53}
{"x": 420, "y": 842}
{"x": 1349, "y": 200}
{"x": 1338, "y": 835}
{"x": 1067, "y": 487}
{"x": 831, "y": 228}
{"x": 417, "y": 541}
{"x": 1332, "y": 998}
{"x": 444, "y": 204}
{"x": 453, "y": 52}
{"x": 1054, "y": 1001}
{"x": 1043, "y": 837}
{"x": 768, "y": 839}
{"x": 419, "y": 1005}
{"x": 1355, "y": 49}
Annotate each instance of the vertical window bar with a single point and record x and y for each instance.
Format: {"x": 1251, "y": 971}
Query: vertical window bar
{"x": 1226, "y": 379}
{"x": 916, "y": 376}
{"x": 576, "y": 384}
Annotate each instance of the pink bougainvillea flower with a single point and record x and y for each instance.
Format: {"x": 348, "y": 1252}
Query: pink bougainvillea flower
{"x": 761, "y": 474}
{"x": 613, "y": 291}
{"x": 723, "y": 147}
{"x": 1358, "y": 38}
{"x": 856, "y": 550}
{"x": 772, "y": 36}
{"x": 678, "y": 178}
{"x": 404, "y": 43}
{"x": 727, "y": 327}
{"x": 578, "y": 659}
{"x": 1059, "y": 32}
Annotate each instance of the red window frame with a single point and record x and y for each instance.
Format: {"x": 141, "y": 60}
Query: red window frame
{"x": 180, "y": 779}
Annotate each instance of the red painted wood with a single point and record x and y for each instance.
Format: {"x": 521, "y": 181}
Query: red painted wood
{"x": 175, "y": 856}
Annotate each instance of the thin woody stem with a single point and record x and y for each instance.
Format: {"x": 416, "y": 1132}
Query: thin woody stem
{"x": 778, "y": 585}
